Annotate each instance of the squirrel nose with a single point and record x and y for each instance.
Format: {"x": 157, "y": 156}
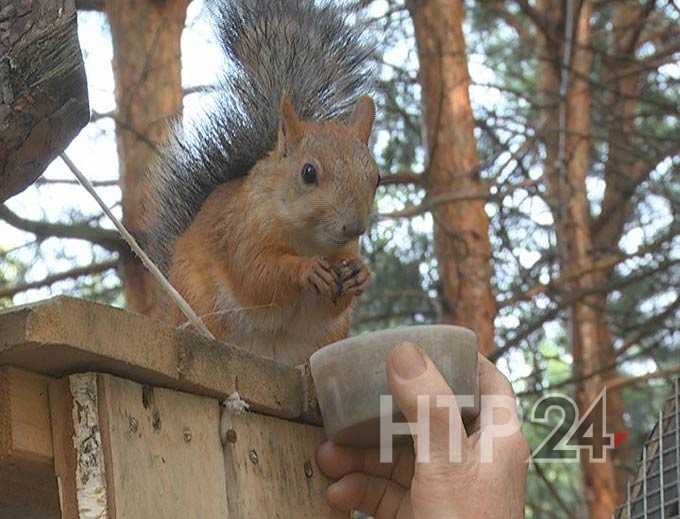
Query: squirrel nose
{"x": 354, "y": 230}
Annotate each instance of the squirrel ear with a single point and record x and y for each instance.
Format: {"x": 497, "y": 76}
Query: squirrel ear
{"x": 290, "y": 126}
{"x": 363, "y": 118}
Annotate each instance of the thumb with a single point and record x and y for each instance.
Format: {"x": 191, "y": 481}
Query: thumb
{"x": 416, "y": 382}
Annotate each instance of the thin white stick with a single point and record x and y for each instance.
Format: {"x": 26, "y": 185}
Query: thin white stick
{"x": 150, "y": 265}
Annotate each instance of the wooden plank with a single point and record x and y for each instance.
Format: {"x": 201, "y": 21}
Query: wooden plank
{"x": 27, "y": 494}
{"x": 66, "y": 335}
{"x": 43, "y": 89}
{"x": 61, "y": 416}
{"x": 27, "y": 484}
{"x": 271, "y": 469}
{"x": 162, "y": 450}
{"x": 24, "y": 417}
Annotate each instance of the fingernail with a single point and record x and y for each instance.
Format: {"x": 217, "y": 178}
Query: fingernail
{"x": 408, "y": 361}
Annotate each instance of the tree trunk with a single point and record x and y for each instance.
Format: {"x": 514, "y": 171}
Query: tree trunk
{"x": 43, "y": 90}
{"x": 147, "y": 71}
{"x": 461, "y": 228}
{"x": 624, "y": 171}
{"x": 566, "y": 175}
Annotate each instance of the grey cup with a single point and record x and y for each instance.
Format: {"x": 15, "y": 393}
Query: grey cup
{"x": 350, "y": 376}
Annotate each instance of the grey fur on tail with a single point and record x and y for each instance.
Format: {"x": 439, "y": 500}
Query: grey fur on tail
{"x": 305, "y": 48}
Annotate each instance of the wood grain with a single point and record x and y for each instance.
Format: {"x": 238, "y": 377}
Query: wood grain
{"x": 27, "y": 484}
{"x": 163, "y": 452}
{"x": 24, "y": 417}
{"x": 61, "y": 416}
{"x": 271, "y": 469}
{"x": 66, "y": 335}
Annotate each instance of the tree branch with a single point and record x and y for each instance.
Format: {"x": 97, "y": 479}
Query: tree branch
{"x": 111, "y": 114}
{"x": 69, "y": 274}
{"x": 90, "y": 5}
{"x": 551, "y": 488}
{"x": 403, "y": 177}
{"x": 648, "y": 327}
{"x": 574, "y": 297}
{"x": 106, "y": 238}
{"x": 605, "y": 263}
{"x": 536, "y": 17}
{"x": 621, "y": 382}
{"x": 431, "y": 202}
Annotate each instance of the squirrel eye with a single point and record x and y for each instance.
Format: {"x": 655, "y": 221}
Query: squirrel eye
{"x": 308, "y": 173}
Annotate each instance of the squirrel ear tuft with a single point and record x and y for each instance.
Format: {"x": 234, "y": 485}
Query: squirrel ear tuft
{"x": 290, "y": 126}
{"x": 363, "y": 118}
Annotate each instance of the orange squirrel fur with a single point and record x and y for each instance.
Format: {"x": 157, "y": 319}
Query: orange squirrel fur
{"x": 271, "y": 262}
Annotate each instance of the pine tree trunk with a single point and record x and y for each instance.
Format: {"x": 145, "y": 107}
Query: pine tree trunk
{"x": 623, "y": 173}
{"x": 461, "y": 228}
{"x": 147, "y": 72}
{"x": 566, "y": 175}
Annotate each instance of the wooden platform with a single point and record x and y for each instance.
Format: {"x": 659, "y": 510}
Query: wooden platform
{"x": 104, "y": 413}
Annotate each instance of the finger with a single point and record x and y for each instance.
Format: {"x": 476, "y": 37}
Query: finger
{"x": 316, "y": 282}
{"x": 413, "y": 378}
{"x": 363, "y": 284}
{"x": 322, "y": 285}
{"x": 349, "y": 268}
{"x": 325, "y": 274}
{"x": 491, "y": 380}
{"x": 499, "y": 406}
{"x": 492, "y": 384}
{"x": 357, "y": 280}
{"x": 371, "y": 495}
{"x": 356, "y": 291}
{"x": 336, "y": 461}
{"x": 355, "y": 268}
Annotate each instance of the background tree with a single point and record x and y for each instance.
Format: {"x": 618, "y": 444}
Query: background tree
{"x": 147, "y": 72}
{"x": 455, "y": 190}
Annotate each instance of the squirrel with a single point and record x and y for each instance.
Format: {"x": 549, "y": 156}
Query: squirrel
{"x": 255, "y": 213}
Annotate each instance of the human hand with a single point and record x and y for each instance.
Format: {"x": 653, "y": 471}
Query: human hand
{"x": 438, "y": 488}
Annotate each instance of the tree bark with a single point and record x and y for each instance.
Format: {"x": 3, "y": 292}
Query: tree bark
{"x": 43, "y": 90}
{"x": 461, "y": 227}
{"x": 624, "y": 171}
{"x": 147, "y": 71}
{"x": 567, "y": 167}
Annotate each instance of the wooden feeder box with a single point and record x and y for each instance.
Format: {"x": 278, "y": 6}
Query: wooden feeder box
{"x": 109, "y": 414}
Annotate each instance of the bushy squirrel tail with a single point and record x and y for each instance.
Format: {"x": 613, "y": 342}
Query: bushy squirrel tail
{"x": 304, "y": 48}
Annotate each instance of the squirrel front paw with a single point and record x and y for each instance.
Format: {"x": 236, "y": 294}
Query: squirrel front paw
{"x": 354, "y": 276}
{"x": 316, "y": 274}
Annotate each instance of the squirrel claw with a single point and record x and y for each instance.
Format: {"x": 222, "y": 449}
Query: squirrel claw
{"x": 318, "y": 275}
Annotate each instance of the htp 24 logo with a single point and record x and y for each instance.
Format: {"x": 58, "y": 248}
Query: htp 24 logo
{"x": 574, "y": 435}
